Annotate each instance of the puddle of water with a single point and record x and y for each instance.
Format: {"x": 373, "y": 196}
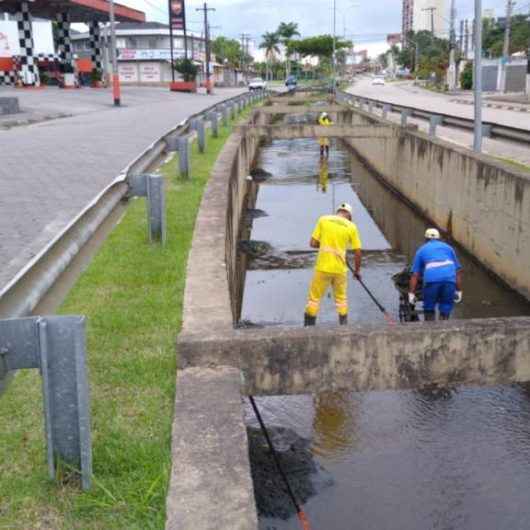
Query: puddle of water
{"x": 399, "y": 460}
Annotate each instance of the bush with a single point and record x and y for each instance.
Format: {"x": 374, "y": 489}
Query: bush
{"x": 466, "y": 77}
{"x": 187, "y": 68}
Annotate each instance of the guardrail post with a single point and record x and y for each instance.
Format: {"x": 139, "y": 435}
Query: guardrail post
{"x": 214, "y": 123}
{"x": 56, "y": 346}
{"x": 156, "y": 208}
{"x": 405, "y": 113}
{"x": 184, "y": 157}
{"x": 370, "y": 106}
{"x": 434, "y": 121}
{"x": 201, "y": 135}
{"x": 225, "y": 113}
{"x": 486, "y": 130}
{"x": 232, "y": 110}
{"x": 152, "y": 187}
{"x": 386, "y": 110}
{"x": 361, "y": 104}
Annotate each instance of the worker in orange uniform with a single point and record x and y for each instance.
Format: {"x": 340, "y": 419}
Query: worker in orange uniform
{"x": 325, "y": 121}
{"x": 333, "y": 236}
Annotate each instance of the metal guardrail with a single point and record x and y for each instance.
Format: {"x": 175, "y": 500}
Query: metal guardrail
{"x": 24, "y": 292}
{"x": 56, "y": 345}
{"x": 490, "y": 129}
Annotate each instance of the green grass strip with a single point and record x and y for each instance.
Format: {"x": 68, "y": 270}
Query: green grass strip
{"x": 132, "y": 297}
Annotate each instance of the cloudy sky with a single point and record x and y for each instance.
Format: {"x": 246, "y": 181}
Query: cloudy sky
{"x": 366, "y": 22}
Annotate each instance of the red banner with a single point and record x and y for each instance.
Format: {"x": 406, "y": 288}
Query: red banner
{"x": 177, "y": 14}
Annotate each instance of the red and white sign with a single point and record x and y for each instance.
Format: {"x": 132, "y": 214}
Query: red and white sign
{"x": 128, "y": 72}
{"x": 150, "y": 72}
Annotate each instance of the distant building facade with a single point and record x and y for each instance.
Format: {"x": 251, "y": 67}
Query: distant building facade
{"x": 407, "y": 17}
{"x": 144, "y": 55}
{"x": 393, "y": 39}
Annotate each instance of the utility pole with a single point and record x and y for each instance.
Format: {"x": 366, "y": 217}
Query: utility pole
{"x": 508, "y": 30}
{"x": 466, "y": 40}
{"x": 528, "y": 66}
{"x": 477, "y": 81}
{"x": 432, "y": 10}
{"x": 113, "y": 54}
{"x": 506, "y": 47}
{"x": 205, "y": 10}
{"x": 452, "y": 81}
{"x": 461, "y": 45}
{"x": 245, "y": 37}
{"x": 333, "y": 59}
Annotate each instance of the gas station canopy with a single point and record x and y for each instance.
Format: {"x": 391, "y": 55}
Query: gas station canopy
{"x": 78, "y": 10}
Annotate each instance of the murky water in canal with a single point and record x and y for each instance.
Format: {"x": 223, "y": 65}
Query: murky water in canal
{"x": 399, "y": 460}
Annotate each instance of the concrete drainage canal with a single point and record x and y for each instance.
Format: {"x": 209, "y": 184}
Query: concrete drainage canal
{"x": 405, "y": 454}
{"x": 410, "y": 459}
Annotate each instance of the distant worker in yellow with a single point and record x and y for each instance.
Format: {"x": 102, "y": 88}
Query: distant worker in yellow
{"x": 333, "y": 236}
{"x": 325, "y": 121}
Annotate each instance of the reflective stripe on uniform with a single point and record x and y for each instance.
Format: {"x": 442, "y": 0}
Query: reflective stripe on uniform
{"x": 436, "y": 264}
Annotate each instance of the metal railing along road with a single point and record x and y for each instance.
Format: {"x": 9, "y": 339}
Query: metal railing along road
{"x": 490, "y": 129}
{"x": 55, "y": 345}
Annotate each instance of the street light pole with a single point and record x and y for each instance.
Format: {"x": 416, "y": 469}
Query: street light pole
{"x": 477, "y": 84}
{"x": 113, "y": 54}
{"x": 333, "y": 61}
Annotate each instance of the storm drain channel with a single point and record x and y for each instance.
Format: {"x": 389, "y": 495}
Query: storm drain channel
{"x": 452, "y": 458}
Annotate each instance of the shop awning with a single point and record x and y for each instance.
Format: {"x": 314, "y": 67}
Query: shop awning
{"x": 79, "y": 10}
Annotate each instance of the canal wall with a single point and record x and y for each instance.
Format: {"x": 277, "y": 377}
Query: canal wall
{"x": 482, "y": 204}
{"x": 210, "y": 483}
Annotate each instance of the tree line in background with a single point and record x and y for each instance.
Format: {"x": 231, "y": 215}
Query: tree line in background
{"x": 295, "y": 50}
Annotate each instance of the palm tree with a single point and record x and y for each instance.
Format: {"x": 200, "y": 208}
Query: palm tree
{"x": 270, "y": 45}
{"x": 286, "y": 31}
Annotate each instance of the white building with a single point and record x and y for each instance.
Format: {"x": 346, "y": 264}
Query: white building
{"x": 431, "y": 14}
{"x": 144, "y": 53}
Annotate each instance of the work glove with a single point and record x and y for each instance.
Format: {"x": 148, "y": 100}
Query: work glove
{"x": 412, "y": 298}
{"x": 458, "y": 297}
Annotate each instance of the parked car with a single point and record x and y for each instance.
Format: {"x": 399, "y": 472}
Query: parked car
{"x": 257, "y": 84}
{"x": 291, "y": 82}
{"x": 378, "y": 80}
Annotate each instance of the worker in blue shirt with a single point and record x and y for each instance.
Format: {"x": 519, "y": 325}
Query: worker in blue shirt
{"x": 436, "y": 263}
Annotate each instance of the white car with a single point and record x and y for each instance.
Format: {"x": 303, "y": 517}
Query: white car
{"x": 378, "y": 80}
{"x": 257, "y": 84}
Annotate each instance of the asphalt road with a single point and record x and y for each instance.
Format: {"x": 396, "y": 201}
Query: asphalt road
{"x": 50, "y": 170}
{"x": 409, "y": 95}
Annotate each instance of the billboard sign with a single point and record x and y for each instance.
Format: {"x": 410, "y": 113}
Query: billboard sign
{"x": 177, "y": 14}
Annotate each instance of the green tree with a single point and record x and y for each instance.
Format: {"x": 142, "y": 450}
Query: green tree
{"x": 466, "y": 77}
{"x": 270, "y": 44}
{"x": 493, "y": 35}
{"x": 286, "y": 31}
{"x": 320, "y": 46}
{"x": 227, "y": 51}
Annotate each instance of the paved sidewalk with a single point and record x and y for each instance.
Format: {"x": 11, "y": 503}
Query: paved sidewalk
{"x": 49, "y": 171}
{"x": 406, "y": 94}
{"x": 413, "y": 96}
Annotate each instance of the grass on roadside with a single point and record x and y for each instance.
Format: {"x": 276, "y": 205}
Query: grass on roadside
{"x": 132, "y": 297}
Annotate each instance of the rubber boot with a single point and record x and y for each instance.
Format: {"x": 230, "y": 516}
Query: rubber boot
{"x": 444, "y": 317}
{"x": 343, "y": 320}
{"x": 309, "y": 320}
{"x": 429, "y": 316}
